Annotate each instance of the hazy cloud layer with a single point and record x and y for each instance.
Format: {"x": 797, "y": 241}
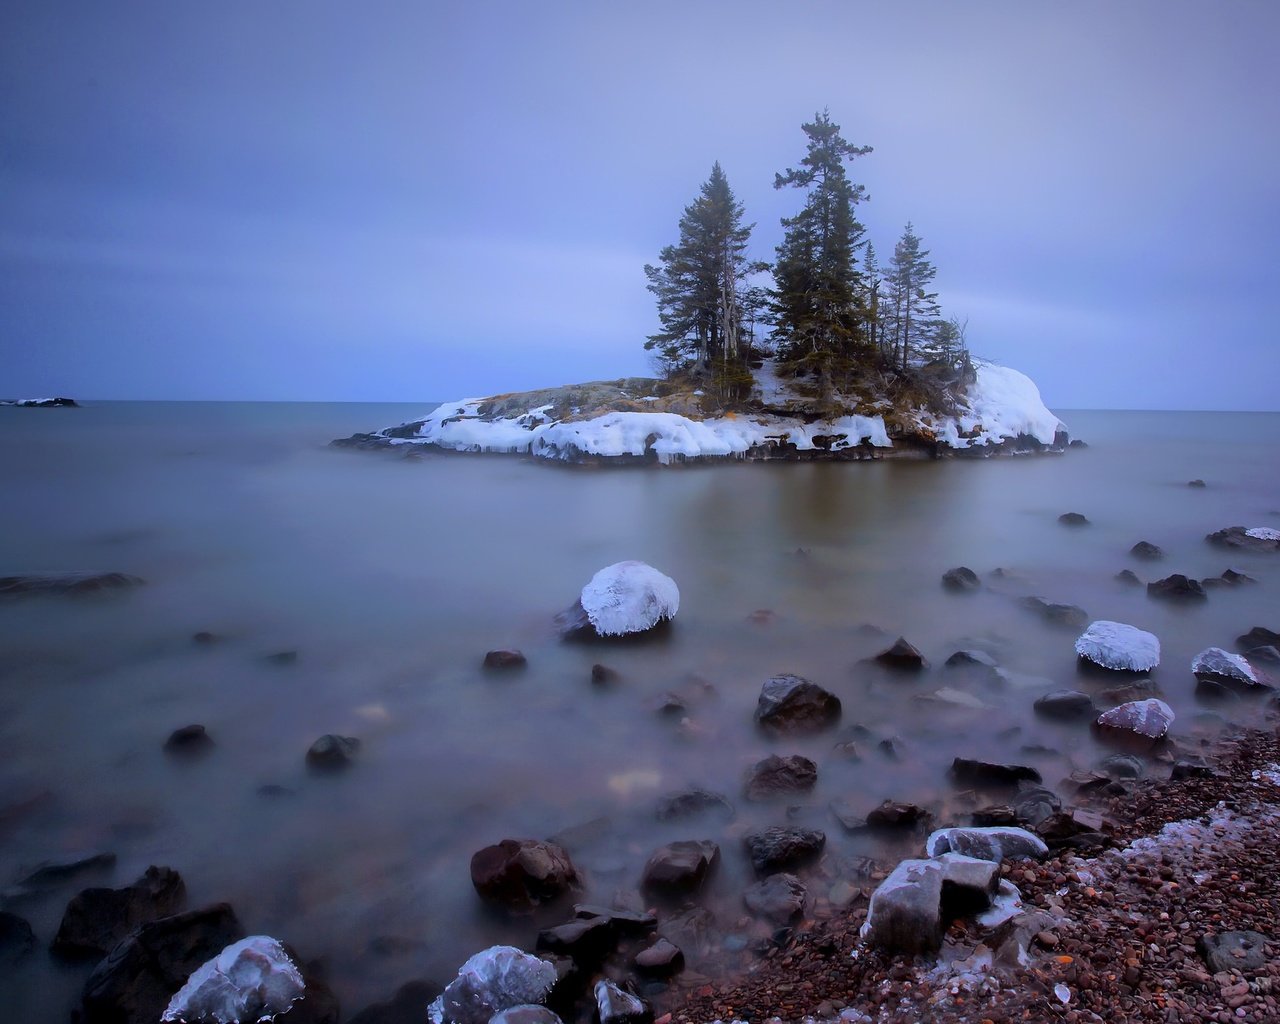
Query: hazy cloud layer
{"x": 315, "y": 201}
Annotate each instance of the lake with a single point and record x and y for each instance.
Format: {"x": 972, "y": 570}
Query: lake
{"x": 390, "y": 578}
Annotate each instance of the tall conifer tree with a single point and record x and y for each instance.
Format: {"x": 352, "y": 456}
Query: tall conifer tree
{"x": 912, "y": 310}
{"x": 818, "y": 302}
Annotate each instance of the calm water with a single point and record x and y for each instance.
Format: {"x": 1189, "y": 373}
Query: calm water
{"x": 391, "y": 578}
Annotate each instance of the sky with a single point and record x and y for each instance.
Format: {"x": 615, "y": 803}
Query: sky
{"x": 422, "y": 201}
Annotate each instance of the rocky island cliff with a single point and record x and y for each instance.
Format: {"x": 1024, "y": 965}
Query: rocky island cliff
{"x": 640, "y": 420}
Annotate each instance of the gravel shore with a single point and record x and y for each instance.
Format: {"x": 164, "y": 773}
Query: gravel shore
{"x": 1119, "y": 939}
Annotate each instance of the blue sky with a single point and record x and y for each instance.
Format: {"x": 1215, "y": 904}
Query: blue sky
{"x": 420, "y": 201}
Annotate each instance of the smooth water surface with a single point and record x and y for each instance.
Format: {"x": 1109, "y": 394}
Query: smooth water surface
{"x": 391, "y": 577}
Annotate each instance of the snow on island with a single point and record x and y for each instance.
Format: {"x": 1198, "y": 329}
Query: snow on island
{"x": 1000, "y": 410}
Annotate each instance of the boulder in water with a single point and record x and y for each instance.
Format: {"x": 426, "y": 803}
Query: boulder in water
{"x": 520, "y": 874}
{"x": 779, "y": 898}
{"x": 251, "y": 980}
{"x": 1067, "y": 705}
{"x": 1119, "y": 647}
{"x": 332, "y": 753}
{"x": 615, "y": 1005}
{"x": 993, "y": 844}
{"x": 960, "y": 579}
{"x": 969, "y": 772}
{"x": 1176, "y": 588}
{"x": 791, "y": 704}
{"x": 779, "y": 849}
{"x": 1073, "y": 519}
{"x": 780, "y": 776}
{"x": 495, "y": 979}
{"x": 679, "y": 869}
{"x": 623, "y": 599}
{"x": 505, "y": 660}
{"x": 1219, "y": 666}
{"x": 96, "y": 920}
{"x": 1147, "y": 551}
{"x": 1149, "y": 718}
{"x": 1057, "y": 614}
{"x": 1258, "y": 538}
{"x": 902, "y": 656}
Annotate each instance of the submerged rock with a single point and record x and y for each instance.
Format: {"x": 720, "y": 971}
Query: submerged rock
{"x": 58, "y": 584}
{"x": 780, "y": 776}
{"x": 986, "y": 773}
{"x": 661, "y": 960}
{"x": 961, "y": 579}
{"x": 495, "y": 979}
{"x": 969, "y": 659}
{"x": 1056, "y": 614}
{"x": 693, "y": 803}
{"x": 623, "y": 599}
{"x": 189, "y": 741}
{"x": 587, "y": 941}
{"x": 1119, "y": 647}
{"x": 1073, "y": 519}
{"x": 1146, "y": 550}
{"x": 1177, "y": 588}
{"x": 791, "y": 704}
{"x": 97, "y": 919}
{"x": 1259, "y": 636}
{"x": 680, "y": 868}
{"x": 615, "y": 1005}
{"x": 1149, "y": 718}
{"x": 902, "y": 656}
{"x": 48, "y": 875}
{"x": 16, "y": 937}
{"x": 520, "y": 874}
{"x": 1258, "y": 538}
{"x": 251, "y": 980}
{"x": 1067, "y": 705}
{"x": 407, "y": 1006}
{"x": 332, "y": 753}
{"x": 1129, "y": 577}
{"x": 898, "y": 816}
{"x": 778, "y": 849}
{"x": 502, "y": 660}
{"x": 779, "y": 898}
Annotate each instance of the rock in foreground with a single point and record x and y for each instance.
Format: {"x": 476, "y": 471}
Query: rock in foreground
{"x": 1149, "y": 718}
{"x": 521, "y": 874}
{"x": 251, "y": 980}
{"x": 495, "y": 979}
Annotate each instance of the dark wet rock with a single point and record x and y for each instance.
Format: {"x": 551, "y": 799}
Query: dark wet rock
{"x": 1187, "y": 769}
{"x": 661, "y": 960}
{"x": 780, "y": 849}
{"x": 1033, "y": 804}
{"x": 97, "y": 919}
{"x": 624, "y": 922}
{"x": 281, "y": 659}
{"x": 970, "y": 659}
{"x": 892, "y": 747}
{"x": 1214, "y": 691}
{"x": 1066, "y": 705}
{"x": 587, "y": 941}
{"x": 332, "y": 753}
{"x": 1259, "y": 636}
{"x": 899, "y": 816}
{"x": 1055, "y": 614}
{"x": 1196, "y": 483}
{"x": 780, "y": 776}
{"x": 135, "y": 981}
{"x": 1263, "y": 655}
{"x": 614, "y": 1005}
{"x": 189, "y": 741}
{"x": 791, "y": 704}
{"x": 526, "y": 1013}
{"x": 521, "y": 874}
{"x": 1075, "y": 442}
{"x": 205, "y": 639}
{"x": 969, "y": 772}
{"x": 602, "y": 674}
{"x": 60, "y": 584}
{"x": 51, "y": 874}
{"x": 996, "y": 815}
{"x": 1177, "y": 588}
{"x": 960, "y": 579}
{"x": 1138, "y": 689}
{"x": 1258, "y": 539}
{"x": 504, "y": 661}
{"x": 407, "y": 1006}
{"x": 1073, "y": 519}
{"x": 573, "y": 624}
{"x": 16, "y": 937}
{"x": 903, "y": 657}
{"x": 1129, "y": 577}
{"x": 779, "y": 898}
{"x": 1075, "y": 830}
{"x": 1233, "y": 951}
{"x": 1147, "y": 551}
{"x": 273, "y": 791}
{"x": 993, "y": 844}
{"x": 694, "y": 930}
{"x": 693, "y": 803}
{"x": 680, "y": 868}
{"x": 1123, "y": 766}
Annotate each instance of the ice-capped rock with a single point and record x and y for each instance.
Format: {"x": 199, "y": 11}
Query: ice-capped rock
{"x": 1222, "y": 665}
{"x": 628, "y": 597}
{"x": 251, "y": 980}
{"x": 495, "y": 979}
{"x": 996, "y": 843}
{"x": 1263, "y": 533}
{"x": 1119, "y": 647}
{"x": 1150, "y": 718}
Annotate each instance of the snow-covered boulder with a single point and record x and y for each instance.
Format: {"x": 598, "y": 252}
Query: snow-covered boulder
{"x": 1257, "y": 538}
{"x": 1148, "y": 718}
{"x": 1001, "y": 405}
{"x": 1119, "y": 647}
{"x": 251, "y": 980}
{"x": 621, "y": 600}
{"x": 1222, "y": 666}
{"x": 996, "y": 843}
{"x": 493, "y": 980}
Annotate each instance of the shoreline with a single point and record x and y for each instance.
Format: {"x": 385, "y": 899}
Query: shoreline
{"x": 1187, "y": 856}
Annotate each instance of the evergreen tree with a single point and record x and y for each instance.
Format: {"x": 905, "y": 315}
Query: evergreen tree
{"x": 817, "y": 304}
{"x": 872, "y": 285}
{"x": 700, "y": 280}
{"x": 911, "y": 311}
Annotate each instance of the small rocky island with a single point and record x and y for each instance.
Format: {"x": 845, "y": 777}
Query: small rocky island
{"x": 982, "y": 411}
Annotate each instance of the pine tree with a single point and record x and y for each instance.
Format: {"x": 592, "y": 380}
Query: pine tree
{"x": 700, "y": 281}
{"x": 912, "y": 312}
{"x": 872, "y": 286}
{"x": 817, "y": 304}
